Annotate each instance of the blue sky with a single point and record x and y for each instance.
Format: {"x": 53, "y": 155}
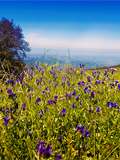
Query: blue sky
{"x": 81, "y": 26}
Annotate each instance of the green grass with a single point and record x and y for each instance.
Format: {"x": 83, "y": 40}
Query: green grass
{"x": 103, "y": 142}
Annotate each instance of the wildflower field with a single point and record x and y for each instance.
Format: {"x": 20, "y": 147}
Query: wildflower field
{"x": 51, "y": 113}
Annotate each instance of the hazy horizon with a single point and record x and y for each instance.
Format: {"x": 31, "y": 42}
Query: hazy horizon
{"x": 75, "y": 52}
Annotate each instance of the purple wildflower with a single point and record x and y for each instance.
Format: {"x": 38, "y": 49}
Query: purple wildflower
{"x": 63, "y": 111}
{"x": 24, "y": 106}
{"x": 30, "y": 96}
{"x": 55, "y": 84}
{"x": 42, "y": 72}
{"x": 97, "y": 109}
{"x": 38, "y": 100}
{"x": 118, "y": 86}
{"x": 43, "y": 92}
{"x": 77, "y": 97}
{"x": 108, "y": 75}
{"x": 54, "y": 68}
{"x": 83, "y": 65}
{"x": 110, "y": 104}
{"x": 89, "y": 78}
{"x": 64, "y": 78}
{"x": 105, "y": 72}
{"x": 97, "y": 82}
{"x": 98, "y": 76}
{"x": 48, "y": 150}
{"x": 12, "y": 117}
{"x": 7, "y": 111}
{"x": 87, "y": 133}
{"x": 82, "y": 128}
{"x": 41, "y": 113}
{"x": 40, "y": 85}
{"x": 1, "y": 90}
{"x": 63, "y": 83}
{"x": 116, "y": 82}
{"x": 58, "y": 156}
{"x": 37, "y": 66}
{"x": 20, "y": 80}
{"x": 3, "y": 110}
{"x": 49, "y": 101}
{"x": 89, "y": 87}
{"x": 89, "y": 109}
{"x": 94, "y": 72}
{"x": 60, "y": 139}
{"x": 83, "y": 147}
{"x": 37, "y": 81}
{"x": 7, "y": 82}
{"x": 41, "y": 147}
{"x": 49, "y": 81}
{"x": 6, "y": 120}
{"x": 29, "y": 89}
{"x": 32, "y": 67}
{"x": 52, "y": 72}
{"x": 55, "y": 77}
{"x": 92, "y": 94}
{"x": 55, "y": 97}
{"x": 69, "y": 95}
{"x": 77, "y": 127}
{"x": 115, "y": 104}
{"x": 68, "y": 82}
{"x": 112, "y": 85}
{"x": 54, "y": 101}
{"x": 74, "y": 92}
{"x": 66, "y": 95}
{"x": 73, "y": 105}
{"x": 82, "y": 83}
{"x": 14, "y": 96}
{"x": 9, "y": 91}
{"x": 82, "y": 72}
{"x": 98, "y": 72}
{"x": 82, "y": 138}
{"x": 46, "y": 88}
{"x": 112, "y": 70}
{"x": 86, "y": 89}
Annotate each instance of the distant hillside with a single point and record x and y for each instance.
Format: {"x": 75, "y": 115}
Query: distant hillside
{"x": 105, "y": 67}
{"x": 91, "y": 62}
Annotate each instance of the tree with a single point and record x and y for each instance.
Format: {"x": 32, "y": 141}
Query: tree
{"x": 13, "y": 47}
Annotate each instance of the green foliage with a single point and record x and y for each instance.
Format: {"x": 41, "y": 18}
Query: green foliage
{"x": 104, "y": 127}
{"x": 13, "y": 47}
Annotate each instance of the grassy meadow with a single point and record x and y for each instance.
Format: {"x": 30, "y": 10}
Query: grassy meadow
{"x": 51, "y": 113}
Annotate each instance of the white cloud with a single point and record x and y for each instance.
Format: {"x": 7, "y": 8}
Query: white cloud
{"x": 85, "y": 42}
